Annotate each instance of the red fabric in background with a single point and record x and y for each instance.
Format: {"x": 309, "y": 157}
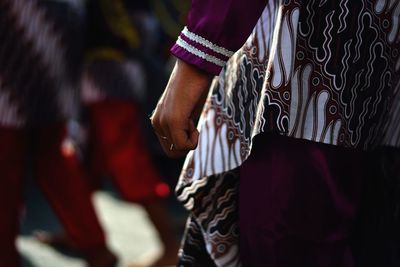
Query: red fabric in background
{"x": 12, "y": 163}
{"x": 117, "y": 148}
{"x": 60, "y": 179}
{"x": 64, "y": 184}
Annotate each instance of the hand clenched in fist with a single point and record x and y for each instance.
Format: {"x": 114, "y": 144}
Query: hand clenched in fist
{"x": 178, "y": 109}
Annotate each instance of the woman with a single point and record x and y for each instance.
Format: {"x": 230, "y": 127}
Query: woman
{"x": 319, "y": 80}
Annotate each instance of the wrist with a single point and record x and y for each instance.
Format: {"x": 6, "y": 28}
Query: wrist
{"x": 193, "y": 71}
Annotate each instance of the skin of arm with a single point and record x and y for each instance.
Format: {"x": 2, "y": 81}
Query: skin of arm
{"x": 179, "y": 108}
{"x": 215, "y": 30}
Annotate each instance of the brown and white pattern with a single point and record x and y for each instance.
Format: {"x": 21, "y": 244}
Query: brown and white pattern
{"x": 208, "y": 242}
{"x": 326, "y": 71}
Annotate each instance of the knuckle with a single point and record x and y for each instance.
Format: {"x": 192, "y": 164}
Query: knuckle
{"x": 154, "y": 125}
{"x": 181, "y": 146}
{"x": 154, "y": 121}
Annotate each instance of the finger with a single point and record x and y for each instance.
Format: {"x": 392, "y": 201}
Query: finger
{"x": 173, "y": 148}
{"x": 164, "y": 143}
{"x": 177, "y": 153}
{"x": 161, "y": 137}
{"x": 171, "y": 151}
{"x": 194, "y": 137}
{"x": 160, "y": 123}
{"x": 192, "y": 127}
{"x": 194, "y": 134}
{"x": 155, "y": 121}
{"x": 181, "y": 137}
{"x": 170, "y": 148}
{"x": 159, "y": 131}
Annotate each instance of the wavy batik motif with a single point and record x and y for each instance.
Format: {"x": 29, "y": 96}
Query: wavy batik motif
{"x": 326, "y": 71}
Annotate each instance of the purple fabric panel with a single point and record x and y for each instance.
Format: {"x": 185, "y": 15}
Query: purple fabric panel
{"x": 190, "y": 58}
{"x": 226, "y": 23}
{"x": 297, "y": 203}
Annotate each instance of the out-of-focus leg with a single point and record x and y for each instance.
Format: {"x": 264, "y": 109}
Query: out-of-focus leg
{"x": 64, "y": 184}
{"x": 12, "y": 166}
{"x": 116, "y": 133}
{"x": 127, "y": 160}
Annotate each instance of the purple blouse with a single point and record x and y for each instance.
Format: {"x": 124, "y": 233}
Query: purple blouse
{"x": 215, "y": 30}
{"x": 324, "y": 71}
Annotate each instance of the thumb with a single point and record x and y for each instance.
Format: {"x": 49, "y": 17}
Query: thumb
{"x": 193, "y": 134}
{"x": 184, "y": 138}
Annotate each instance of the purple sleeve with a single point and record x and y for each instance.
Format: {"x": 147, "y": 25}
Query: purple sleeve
{"x": 215, "y": 30}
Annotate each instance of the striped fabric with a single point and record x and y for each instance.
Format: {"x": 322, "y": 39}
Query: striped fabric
{"x": 39, "y": 63}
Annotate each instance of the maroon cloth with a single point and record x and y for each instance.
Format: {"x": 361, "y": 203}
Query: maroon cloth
{"x": 61, "y": 180}
{"x": 297, "y": 203}
{"x": 116, "y": 148}
{"x": 12, "y": 161}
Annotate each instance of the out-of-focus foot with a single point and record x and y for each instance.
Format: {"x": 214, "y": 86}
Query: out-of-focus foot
{"x": 95, "y": 257}
{"x": 102, "y": 258}
{"x": 168, "y": 258}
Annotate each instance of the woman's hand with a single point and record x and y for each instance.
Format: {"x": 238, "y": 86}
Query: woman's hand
{"x": 178, "y": 109}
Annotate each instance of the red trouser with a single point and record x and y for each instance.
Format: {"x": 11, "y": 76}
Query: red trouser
{"x": 60, "y": 179}
{"x": 117, "y": 148}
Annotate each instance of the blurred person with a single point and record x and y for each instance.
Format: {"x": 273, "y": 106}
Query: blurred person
{"x": 113, "y": 83}
{"x": 40, "y": 52}
{"x": 116, "y": 148}
{"x": 277, "y": 166}
{"x": 112, "y": 86}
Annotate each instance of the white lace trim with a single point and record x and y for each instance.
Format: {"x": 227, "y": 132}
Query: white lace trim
{"x": 182, "y": 43}
{"x": 204, "y": 42}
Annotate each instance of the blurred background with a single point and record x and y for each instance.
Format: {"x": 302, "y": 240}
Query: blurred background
{"x": 85, "y": 182}
{"x": 83, "y": 179}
